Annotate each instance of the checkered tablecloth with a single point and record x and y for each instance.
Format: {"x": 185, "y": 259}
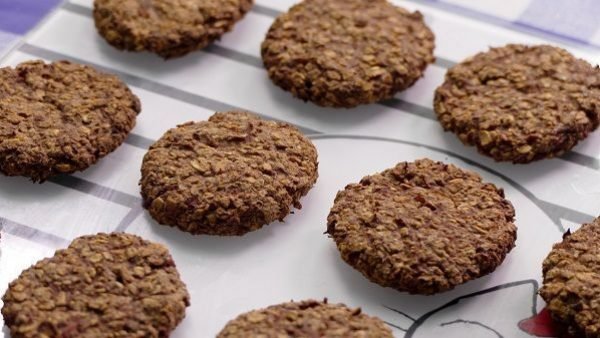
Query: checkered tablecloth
{"x": 17, "y": 17}
{"x": 574, "y": 21}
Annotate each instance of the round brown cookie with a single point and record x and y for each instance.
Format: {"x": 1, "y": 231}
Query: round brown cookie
{"x": 227, "y": 176}
{"x": 306, "y": 319}
{"x": 169, "y": 28}
{"x": 520, "y": 103}
{"x": 571, "y": 285}
{"x": 343, "y": 53}
{"x": 60, "y": 118}
{"x": 422, "y": 227}
{"x": 105, "y": 285}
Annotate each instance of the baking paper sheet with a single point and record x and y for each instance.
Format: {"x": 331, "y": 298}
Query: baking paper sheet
{"x": 294, "y": 259}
